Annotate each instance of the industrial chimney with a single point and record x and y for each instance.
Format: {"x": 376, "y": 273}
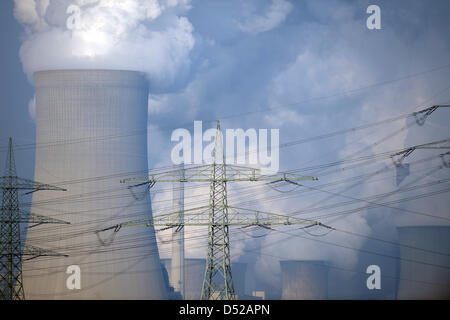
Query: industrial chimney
{"x": 304, "y": 280}
{"x": 424, "y": 262}
{"x": 91, "y": 131}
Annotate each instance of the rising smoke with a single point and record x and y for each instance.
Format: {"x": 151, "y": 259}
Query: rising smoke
{"x": 143, "y": 35}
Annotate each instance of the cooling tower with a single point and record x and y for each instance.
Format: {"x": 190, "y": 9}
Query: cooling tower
{"x": 239, "y": 270}
{"x": 91, "y": 131}
{"x": 304, "y": 280}
{"x": 429, "y": 279}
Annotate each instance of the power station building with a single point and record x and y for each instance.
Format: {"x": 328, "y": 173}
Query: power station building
{"x": 91, "y": 131}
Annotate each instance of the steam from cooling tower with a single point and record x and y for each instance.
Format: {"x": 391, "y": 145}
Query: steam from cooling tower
{"x": 144, "y": 35}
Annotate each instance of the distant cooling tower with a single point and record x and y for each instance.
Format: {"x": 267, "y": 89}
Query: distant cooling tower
{"x": 429, "y": 279}
{"x": 239, "y": 271}
{"x": 304, "y": 280}
{"x": 91, "y": 132}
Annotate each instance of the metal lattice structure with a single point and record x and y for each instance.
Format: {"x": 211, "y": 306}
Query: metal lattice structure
{"x": 217, "y": 216}
{"x": 398, "y": 157}
{"x": 218, "y": 282}
{"x": 199, "y": 217}
{"x": 11, "y": 286}
{"x": 12, "y": 250}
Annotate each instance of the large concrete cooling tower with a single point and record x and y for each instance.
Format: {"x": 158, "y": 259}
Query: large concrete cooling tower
{"x": 91, "y": 132}
{"x": 424, "y": 273}
{"x": 304, "y": 280}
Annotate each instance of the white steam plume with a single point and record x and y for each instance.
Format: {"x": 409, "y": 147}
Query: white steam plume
{"x": 145, "y": 35}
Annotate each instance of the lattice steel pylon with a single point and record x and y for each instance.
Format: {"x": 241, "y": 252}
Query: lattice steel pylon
{"x": 218, "y": 216}
{"x": 11, "y": 248}
{"x": 218, "y": 282}
{"x": 11, "y": 286}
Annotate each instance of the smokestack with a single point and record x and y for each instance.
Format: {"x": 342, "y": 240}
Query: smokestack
{"x": 91, "y": 131}
{"x": 424, "y": 280}
{"x": 177, "y": 268}
{"x": 304, "y": 280}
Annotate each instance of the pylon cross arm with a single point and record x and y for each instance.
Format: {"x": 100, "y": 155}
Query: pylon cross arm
{"x": 240, "y": 216}
{"x": 26, "y": 184}
{"x": 203, "y": 174}
{"x": 25, "y": 217}
{"x": 236, "y": 217}
{"x": 34, "y": 252}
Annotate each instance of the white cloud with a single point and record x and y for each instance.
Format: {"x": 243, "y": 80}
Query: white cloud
{"x": 145, "y": 35}
{"x": 275, "y": 15}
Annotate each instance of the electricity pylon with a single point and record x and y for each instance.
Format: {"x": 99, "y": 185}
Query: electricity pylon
{"x": 12, "y": 250}
{"x": 217, "y": 281}
{"x": 218, "y": 216}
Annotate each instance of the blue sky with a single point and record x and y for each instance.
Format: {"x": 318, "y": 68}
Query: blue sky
{"x": 305, "y": 67}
